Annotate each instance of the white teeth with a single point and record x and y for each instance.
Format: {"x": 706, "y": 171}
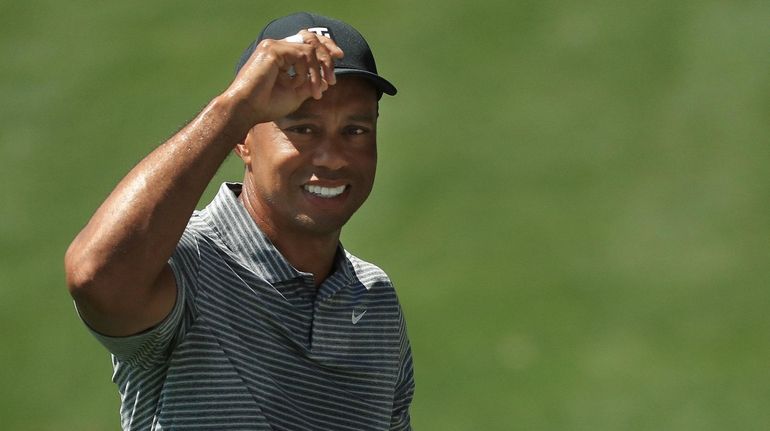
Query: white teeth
{"x": 325, "y": 192}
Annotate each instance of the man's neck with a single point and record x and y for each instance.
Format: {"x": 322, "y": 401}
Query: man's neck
{"x": 315, "y": 257}
{"x": 304, "y": 251}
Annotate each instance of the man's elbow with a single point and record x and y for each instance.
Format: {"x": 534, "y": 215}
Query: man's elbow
{"x": 80, "y": 271}
{"x": 96, "y": 293}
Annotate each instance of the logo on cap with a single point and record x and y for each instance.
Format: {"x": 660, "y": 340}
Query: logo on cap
{"x": 321, "y": 31}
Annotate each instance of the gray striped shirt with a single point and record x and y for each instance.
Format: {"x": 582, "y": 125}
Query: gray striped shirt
{"x": 252, "y": 344}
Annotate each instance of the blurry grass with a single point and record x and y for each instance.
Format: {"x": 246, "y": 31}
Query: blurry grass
{"x": 571, "y": 198}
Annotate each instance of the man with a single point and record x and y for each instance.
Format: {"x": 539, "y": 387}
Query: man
{"x": 249, "y": 314}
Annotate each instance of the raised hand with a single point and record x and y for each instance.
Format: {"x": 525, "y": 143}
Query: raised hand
{"x": 281, "y": 74}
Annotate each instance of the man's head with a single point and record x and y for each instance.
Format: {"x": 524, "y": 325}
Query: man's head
{"x": 309, "y": 171}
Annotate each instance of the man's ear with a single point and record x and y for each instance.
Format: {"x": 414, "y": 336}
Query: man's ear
{"x": 242, "y": 149}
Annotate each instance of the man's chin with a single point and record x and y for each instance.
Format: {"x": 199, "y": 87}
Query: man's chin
{"x": 320, "y": 225}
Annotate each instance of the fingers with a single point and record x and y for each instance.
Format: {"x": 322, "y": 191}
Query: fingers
{"x": 282, "y": 74}
{"x": 314, "y": 64}
{"x": 332, "y": 47}
{"x": 326, "y": 51}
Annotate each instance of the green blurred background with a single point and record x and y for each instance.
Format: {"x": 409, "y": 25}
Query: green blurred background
{"x": 572, "y": 198}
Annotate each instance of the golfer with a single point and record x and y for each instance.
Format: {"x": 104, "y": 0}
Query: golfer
{"x": 249, "y": 314}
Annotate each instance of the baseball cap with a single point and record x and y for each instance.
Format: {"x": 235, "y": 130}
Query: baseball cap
{"x": 358, "y": 60}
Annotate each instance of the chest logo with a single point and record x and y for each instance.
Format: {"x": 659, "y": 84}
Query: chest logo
{"x": 357, "y": 316}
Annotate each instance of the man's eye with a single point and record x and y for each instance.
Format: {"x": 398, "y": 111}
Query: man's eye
{"x": 302, "y": 130}
{"x": 354, "y": 130}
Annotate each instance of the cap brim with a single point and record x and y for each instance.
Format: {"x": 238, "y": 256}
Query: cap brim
{"x": 381, "y": 83}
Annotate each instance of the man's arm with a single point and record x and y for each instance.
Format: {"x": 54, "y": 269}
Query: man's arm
{"x": 117, "y": 267}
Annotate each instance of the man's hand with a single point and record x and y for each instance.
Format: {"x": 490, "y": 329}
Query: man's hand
{"x": 281, "y": 74}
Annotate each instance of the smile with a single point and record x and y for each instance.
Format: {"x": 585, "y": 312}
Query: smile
{"x": 324, "y": 192}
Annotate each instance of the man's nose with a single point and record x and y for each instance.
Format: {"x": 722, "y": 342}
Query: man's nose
{"x": 330, "y": 153}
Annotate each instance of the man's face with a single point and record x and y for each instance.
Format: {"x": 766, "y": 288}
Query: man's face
{"x": 308, "y": 172}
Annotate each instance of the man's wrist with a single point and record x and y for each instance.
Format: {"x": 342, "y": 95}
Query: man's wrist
{"x": 233, "y": 117}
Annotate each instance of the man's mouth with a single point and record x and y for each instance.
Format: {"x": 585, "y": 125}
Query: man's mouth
{"x": 324, "y": 192}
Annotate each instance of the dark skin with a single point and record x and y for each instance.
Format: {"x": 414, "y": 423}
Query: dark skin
{"x": 329, "y": 143}
{"x": 117, "y": 267}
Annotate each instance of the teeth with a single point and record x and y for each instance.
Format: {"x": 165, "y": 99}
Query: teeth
{"x": 325, "y": 192}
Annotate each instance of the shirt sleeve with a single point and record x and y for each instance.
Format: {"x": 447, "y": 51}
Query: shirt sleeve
{"x": 154, "y": 345}
{"x": 402, "y": 400}
{"x": 148, "y": 347}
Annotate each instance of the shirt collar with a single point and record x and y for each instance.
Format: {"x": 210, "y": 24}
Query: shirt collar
{"x": 253, "y": 249}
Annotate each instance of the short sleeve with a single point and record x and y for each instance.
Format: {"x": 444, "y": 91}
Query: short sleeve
{"x": 150, "y": 346}
{"x": 155, "y": 344}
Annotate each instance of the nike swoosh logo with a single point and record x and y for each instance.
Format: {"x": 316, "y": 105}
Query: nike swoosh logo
{"x": 355, "y": 318}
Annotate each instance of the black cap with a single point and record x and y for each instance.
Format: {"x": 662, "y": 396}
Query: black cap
{"x": 358, "y": 60}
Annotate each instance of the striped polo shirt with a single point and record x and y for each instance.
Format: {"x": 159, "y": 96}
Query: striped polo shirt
{"x": 252, "y": 344}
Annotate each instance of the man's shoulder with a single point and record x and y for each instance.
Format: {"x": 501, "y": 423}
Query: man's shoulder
{"x": 198, "y": 233}
{"x": 198, "y": 224}
{"x": 368, "y": 274}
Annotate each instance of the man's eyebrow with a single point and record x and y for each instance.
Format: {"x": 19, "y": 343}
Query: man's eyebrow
{"x": 299, "y": 115}
{"x": 363, "y": 118}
